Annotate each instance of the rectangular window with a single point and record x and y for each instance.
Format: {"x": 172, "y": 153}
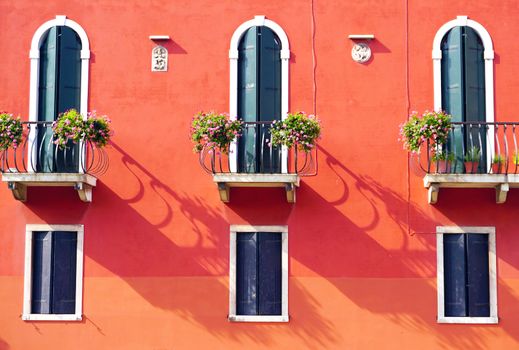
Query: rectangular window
{"x": 466, "y": 274}
{"x": 258, "y": 274}
{"x": 53, "y": 272}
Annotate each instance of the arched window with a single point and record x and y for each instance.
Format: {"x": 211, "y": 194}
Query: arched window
{"x": 463, "y": 85}
{"x": 259, "y": 57}
{"x": 59, "y": 82}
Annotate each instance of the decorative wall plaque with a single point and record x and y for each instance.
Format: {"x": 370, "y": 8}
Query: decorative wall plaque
{"x": 361, "y": 53}
{"x": 159, "y": 59}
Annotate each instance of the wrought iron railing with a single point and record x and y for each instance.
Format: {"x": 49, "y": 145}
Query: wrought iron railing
{"x": 39, "y": 154}
{"x": 475, "y": 148}
{"x": 253, "y": 153}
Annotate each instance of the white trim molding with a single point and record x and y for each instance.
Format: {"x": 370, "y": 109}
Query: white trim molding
{"x": 34, "y": 56}
{"x": 27, "y": 285}
{"x": 492, "y": 275}
{"x": 237, "y": 229}
{"x": 233, "y": 81}
{"x": 488, "y": 56}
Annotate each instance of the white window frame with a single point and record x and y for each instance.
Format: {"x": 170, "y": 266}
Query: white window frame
{"x": 492, "y": 276}
{"x": 488, "y": 56}
{"x": 27, "y": 290}
{"x": 34, "y": 56}
{"x": 237, "y": 229}
{"x": 233, "y": 82}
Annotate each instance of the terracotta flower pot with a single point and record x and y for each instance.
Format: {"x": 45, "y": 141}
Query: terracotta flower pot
{"x": 496, "y": 168}
{"x": 471, "y": 167}
{"x": 443, "y": 167}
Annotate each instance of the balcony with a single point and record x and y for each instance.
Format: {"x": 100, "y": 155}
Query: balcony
{"x": 254, "y": 162}
{"x": 38, "y": 162}
{"x": 478, "y": 155}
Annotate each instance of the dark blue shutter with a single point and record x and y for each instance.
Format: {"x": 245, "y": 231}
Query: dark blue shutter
{"x": 454, "y": 267}
{"x": 453, "y": 87}
{"x": 475, "y": 91}
{"x": 259, "y": 98}
{"x": 269, "y": 273}
{"x": 41, "y": 272}
{"x": 248, "y": 99}
{"x": 478, "y": 275}
{"x": 47, "y": 96}
{"x": 246, "y": 274}
{"x": 64, "y": 273}
{"x": 269, "y": 95}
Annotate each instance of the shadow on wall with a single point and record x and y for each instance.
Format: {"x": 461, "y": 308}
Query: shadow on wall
{"x": 347, "y": 256}
{"x": 344, "y": 250}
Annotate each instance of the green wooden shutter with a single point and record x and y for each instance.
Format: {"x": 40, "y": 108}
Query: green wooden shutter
{"x": 259, "y": 98}
{"x": 453, "y": 87}
{"x": 248, "y": 99}
{"x": 69, "y": 92}
{"x": 59, "y": 90}
{"x": 269, "y": 96}
{"x": 463, "y": 91}
{"x": 47, "y": 95}
{"x": 475, "y": 92}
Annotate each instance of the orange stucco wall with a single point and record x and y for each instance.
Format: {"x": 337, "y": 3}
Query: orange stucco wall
{"x": 362, "y": 248}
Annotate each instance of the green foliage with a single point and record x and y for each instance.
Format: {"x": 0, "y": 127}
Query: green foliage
{"x": 473, "y": 154}
{"x": 297, "y": 129}
{"x": 11, "y": 131}
{"x": 214, "y": 131}
{"x": 516, "y": 158}
{"x": 443, "y": 156}
{"x": 432, "y": 126}
{"x": 97, "y": 129}
{"x": 498, "y": 159}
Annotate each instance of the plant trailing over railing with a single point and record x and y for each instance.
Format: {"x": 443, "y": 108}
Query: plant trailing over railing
{"x": 71, "y": 126}
{"x": 430, "y": 126}
{"x": 214, "y": 131}
{"x": 11, "y": 131}
{"x": 297, "y": 129}
{"x": 97, "y": 129}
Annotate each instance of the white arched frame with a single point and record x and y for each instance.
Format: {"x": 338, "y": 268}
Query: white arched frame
{"x": 34, "y": 56}
{"x": 258, "y": 21}
{"x": 488, "y": 56}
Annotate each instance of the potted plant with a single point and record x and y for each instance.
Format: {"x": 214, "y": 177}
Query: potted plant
{"x": 443, "y": 159}
{"x": 68, "y": 127}
{"x": 214, "y": 131}
{"x": 430, "y": 126}
{"x": 97, "y": 129}
{"x": 71, "y": 126}
{"x": 11, "y": 131}
{"x": 472, "y": 158}
{"x": 297, "y": 129}
{"x": 497, "y": 163}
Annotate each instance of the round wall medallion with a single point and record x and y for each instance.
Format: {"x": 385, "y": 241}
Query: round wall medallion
{"x": 361, "y": 53}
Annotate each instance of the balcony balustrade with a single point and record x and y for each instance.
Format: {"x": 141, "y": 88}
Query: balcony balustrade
{"x": 476, "y": 155}
{"x": 254, "y": 162}
{"x": 39, "y": 162}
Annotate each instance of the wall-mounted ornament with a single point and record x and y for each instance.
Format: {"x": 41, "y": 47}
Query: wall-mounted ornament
{"x": 361, "y": 52}
{"x": 159, "y": 55}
